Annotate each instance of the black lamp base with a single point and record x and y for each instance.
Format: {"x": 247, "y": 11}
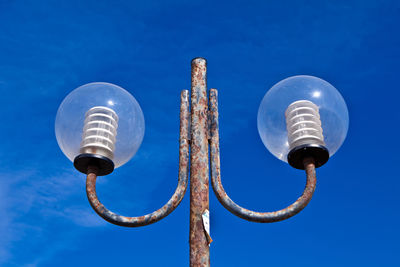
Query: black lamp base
{"x": 296, "y": 156}
{"x": 104, "y": 164}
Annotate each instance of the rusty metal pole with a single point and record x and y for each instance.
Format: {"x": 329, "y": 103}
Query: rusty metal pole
{"x": 199, "y": 172}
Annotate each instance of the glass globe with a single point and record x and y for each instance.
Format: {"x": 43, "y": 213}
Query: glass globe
{"x": 302, "y": 111}
{"x": 100, "y": 119}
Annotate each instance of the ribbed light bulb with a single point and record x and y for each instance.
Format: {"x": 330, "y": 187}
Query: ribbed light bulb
{"x": 99, "y": 132}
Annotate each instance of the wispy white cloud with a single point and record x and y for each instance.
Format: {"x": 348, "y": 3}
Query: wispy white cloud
{"x": 29, "y": 205}
{"x": 37, "y": 203}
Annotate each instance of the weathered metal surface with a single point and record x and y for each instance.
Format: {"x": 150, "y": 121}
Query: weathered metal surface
{"x": 176, "y": 197}
{"x": 199, "y": 171}
{"x": 262, "y": 217}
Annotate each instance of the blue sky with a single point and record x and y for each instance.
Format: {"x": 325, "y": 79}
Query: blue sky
{"x": 48, "y": 48}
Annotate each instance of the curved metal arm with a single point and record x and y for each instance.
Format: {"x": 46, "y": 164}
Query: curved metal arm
{"x": 176, "y": 197}
{"x": 262, "y": 217}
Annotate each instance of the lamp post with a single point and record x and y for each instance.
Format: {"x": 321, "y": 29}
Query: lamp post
{"x": 305, "y": 143}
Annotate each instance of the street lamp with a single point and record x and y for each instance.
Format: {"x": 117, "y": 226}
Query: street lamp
{"x": 302, "y": 120}
{"x": 303, "y": 115}
{"x": 91, "y": 119}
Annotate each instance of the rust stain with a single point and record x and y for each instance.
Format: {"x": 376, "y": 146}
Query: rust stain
{"x": 199, "y": 171}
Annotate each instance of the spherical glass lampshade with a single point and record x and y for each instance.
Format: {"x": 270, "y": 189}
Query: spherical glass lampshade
{"x": 300, "y": 111}
{"x": 100, "y": 118}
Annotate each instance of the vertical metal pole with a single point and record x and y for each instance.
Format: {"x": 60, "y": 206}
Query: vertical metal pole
{"x": 199, "y": 174}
